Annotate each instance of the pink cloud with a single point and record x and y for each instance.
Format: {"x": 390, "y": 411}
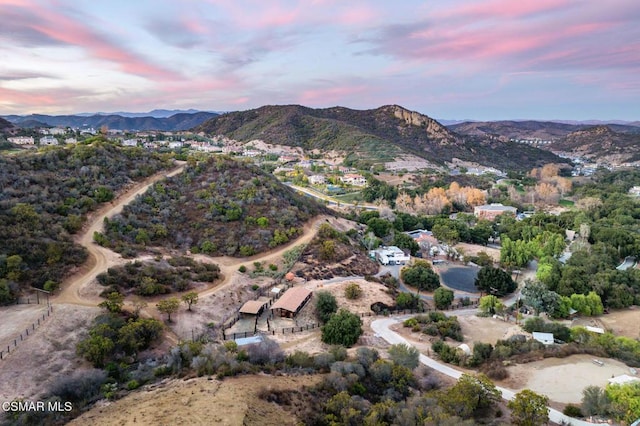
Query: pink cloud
{"x": 61, "y": 28}
{"x": 506, "y": 8}
{"x": 331, "y": 95}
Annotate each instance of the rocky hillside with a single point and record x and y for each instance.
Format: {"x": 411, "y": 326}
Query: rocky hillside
{"x": 506, "y": 130}
{"x": 601, "y": 142}
{"x": 376, "y": 135}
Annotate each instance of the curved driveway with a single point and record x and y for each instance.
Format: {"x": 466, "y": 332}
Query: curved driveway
{"x": 381, "y": 328}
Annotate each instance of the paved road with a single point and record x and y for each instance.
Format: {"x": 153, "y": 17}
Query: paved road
{"x": 381, "y": 328}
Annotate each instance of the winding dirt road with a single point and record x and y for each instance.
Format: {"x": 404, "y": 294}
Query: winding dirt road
{"x": 101, "y": 258}
{"x": 76, "y": 289}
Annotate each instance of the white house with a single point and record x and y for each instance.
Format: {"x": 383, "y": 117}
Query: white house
{"x": 354, "y": 179}
{"x": 21, "y": 140}
{"x": 544, "y": 338}
{"x": 48, "y": 140}
{"x": 390, "y": 255}
{"x": 130, "y": 142}
{"x": 316, "y": 180}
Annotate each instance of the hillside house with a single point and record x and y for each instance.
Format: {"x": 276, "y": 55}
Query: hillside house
{"x": 390, "y": 255}
{"x": 48, "y": 141}
{"x": 491, "y": 211}
{"x": 22, "y": 140}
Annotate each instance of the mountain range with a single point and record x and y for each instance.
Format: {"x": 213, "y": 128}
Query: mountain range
{"x": 175, "y": 122}
{"x": 377, "y": 135}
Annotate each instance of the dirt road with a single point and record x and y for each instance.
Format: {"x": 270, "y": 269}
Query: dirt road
{"x": 101, "y": 258}
{"x": 76, "y": 289}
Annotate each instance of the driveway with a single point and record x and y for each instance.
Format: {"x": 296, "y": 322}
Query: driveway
{"x": 381, "y": 328}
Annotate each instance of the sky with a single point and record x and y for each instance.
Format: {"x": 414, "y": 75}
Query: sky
{"x": 449, "y": 59}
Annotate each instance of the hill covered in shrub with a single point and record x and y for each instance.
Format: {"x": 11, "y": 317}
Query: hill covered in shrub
{"x": 45, "y": 198}
{"x": 218, "y": 206}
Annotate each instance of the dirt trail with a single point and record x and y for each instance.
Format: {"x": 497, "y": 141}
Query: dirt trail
{"x": 101, "y": 258}
{"x": 75, "y": 290}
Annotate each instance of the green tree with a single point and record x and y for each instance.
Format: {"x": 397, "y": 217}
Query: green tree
{"x": 421, "y": 276}
{"x": 529, "y": 409}
{"x": 343, "y": 328}
{"x": 490, "y": 304}
{"x": 168, "y": 306}
{"x": 6, "y": 295}
{"x": 494, "y": 281}
{"x": 404, "y": 355}
{"x": 541, "y": 299}
{"x": 190, "y": 298}
{"x": 404, "y": 241}
{"x": 114, "y": 302}
{"x": 407, "y": 301}
{"x": 443, "y": 297}
{"x": 96, "y": 349}
{"x": 380, "y": 227}
{"x": 353, "y": 291}
{"x": 625, "y": 401}
{"x": 469, "y": 395}
{"x": 326, "y": 305}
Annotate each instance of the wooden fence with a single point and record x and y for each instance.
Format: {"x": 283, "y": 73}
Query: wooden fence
{"x": 28, "y": 331}
{"x": 313, "y": 326}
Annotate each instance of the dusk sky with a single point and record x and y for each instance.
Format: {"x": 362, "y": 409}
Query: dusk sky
{"x": 453, "y": 59}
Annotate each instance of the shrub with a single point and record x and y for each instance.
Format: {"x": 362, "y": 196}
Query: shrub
{"x": 132, "y": 384}
{"x": 343, "y": 328}
{"x": 353, "y": 291}
{"x": 572, "y": 411}
{"x": 265, "y": 352}
{"x": 242, "y": 269}
{"x": 326, "y": 305}
{"x": 79, "y": 388}
{"x": 299, "y": 359}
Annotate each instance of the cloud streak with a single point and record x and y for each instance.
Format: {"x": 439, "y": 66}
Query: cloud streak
{"x": 447, "y": 59}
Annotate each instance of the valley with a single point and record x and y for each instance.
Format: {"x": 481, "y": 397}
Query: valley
{"x": 229, "y": 232}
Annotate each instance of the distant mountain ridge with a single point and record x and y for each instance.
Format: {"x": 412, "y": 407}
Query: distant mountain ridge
{"x": 375, "y": 135}
{"x": 531, "y": 129}
{"x": 175, "y": 122}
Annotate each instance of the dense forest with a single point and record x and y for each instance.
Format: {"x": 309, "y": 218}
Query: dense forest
{"x": 217, "y": 206}
{"x": 45, "y": 198}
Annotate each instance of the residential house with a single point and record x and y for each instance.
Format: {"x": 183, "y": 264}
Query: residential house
{"x": 130, "y": 142}
{"x": 22, "y": 140}
{"x": 354, "y": 179}
{"x": 48, "y": 141}
{"x": 317, "y": 180}
{"x": 390, "y": 255}
{"x": 491, "y": 211}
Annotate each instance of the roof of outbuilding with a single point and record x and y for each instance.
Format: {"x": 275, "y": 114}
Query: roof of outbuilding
{"x": 292, "y": 299}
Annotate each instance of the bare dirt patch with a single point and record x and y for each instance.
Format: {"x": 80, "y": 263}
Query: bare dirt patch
{"x": 623, "y": 323}
{"x": 49, "y": 353}
{"x": 201, "y": 401}
{"x": 474, "y": 249}
{"x": 563, "y": 379}
{"x": 16, "y": 319}
{"x": 486, "y": 330}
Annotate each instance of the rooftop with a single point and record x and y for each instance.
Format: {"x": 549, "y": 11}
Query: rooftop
{"x": 292, "y": 299}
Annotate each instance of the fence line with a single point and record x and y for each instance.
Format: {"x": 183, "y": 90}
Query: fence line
{"x": 313, "y": 326}
{"x": 26, "y": 333}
